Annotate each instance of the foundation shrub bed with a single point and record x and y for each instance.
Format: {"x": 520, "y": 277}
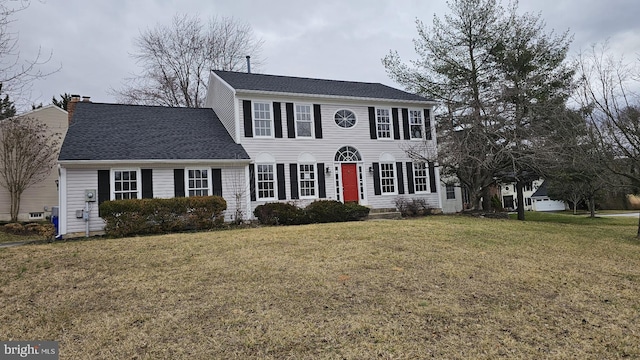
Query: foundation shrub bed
{"x": 321, "y": 211}
{"x": 413, "y": 207}
{"x": 157, "y": 216}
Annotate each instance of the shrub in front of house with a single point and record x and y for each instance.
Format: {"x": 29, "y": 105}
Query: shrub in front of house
{"x": 157, "y": 216}
{"x": 280, "y": 214}
{"x": 413, "y": 207}
{"x": 321, "y": 211}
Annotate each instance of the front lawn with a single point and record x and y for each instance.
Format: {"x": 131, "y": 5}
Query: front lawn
{"x": 436, "y": 287}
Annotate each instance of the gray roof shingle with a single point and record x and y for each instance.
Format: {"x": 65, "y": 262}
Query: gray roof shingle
{"x": 134, "y": 132}
{"x": 297, "y": 85}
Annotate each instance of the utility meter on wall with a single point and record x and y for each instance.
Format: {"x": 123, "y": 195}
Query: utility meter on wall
{"x": 90, "y": 195}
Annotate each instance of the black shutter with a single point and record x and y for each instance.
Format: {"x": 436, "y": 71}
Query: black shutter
{"x": 405, "y": 124}
{"x": 252, "y": 181}
{"x": 432, "y": 177}
{"x": 147, "y": 183}
{"x": 317, "y": 119}
{"x": 178, "y": 182}
{"x": 400, "y": 178}
{"x": 410, "y": 183}
{"x": 216, "y": 181}
{"x": 282, "y": 191}
{"x": 322, "y": 191}
{"x": 293, "y": 170}
{"x": 376, "y": 179}
{"x": 373, "y": 130}
{"x": 291, "y": 125}
{"x": 427, "y": 124}
{"x": 277, "y": 119}
{"x": 396, "y": 123}
{"x": 248, "y": 122}
{"x": 104, "y": 186}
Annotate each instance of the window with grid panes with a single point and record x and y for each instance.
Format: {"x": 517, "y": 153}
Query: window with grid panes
{"x": 307, "y": 179}
{"x": 303, "y": 120}
{"x": 387, "y": 178}
{"x": 125, "y": 184}
{"x": 383, "y": 121}
{"x": 420, "y": 177}
{"x": 198, "y": 182}
{"x": 415, "y": 124}
{"x": 265, "y": 181}
{"x": 262, "y": 119}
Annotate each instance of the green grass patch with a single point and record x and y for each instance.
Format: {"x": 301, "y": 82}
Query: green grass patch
{"x": 580, "y": 219}
{"x": 450, "y": 287}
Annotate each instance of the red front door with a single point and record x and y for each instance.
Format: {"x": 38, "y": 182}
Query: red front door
{"x": 350, "y": 182}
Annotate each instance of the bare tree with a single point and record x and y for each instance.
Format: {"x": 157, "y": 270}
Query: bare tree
{"x": 607, "y": 90}
{"x": 28, "y": 152}
{"x": 16, "y": 73}
{"x": 176, "y": 59}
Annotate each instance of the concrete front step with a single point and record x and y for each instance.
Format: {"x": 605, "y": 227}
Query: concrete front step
{"x": 384, "y": 215}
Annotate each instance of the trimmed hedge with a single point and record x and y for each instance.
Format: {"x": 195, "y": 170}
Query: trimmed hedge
{"x": 157, "y": 216}
{"x": 321, "y": 211}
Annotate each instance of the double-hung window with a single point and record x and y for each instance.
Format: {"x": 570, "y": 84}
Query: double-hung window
{"x": 303, "y": 121}
{"x": 198, "y": 182}
{"x": 265, "y": 180}
{"x": 420, "y": 177}
{"x": 383, "y": 122}
{"x": 126, "y": 184}
{"x": 262, "y": 119}
{"x": 307, "y": 179}
{"x": 416, "y": 124}
{"x": 387, "y": 178}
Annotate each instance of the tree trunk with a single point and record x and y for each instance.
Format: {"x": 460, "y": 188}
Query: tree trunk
{"x": 520, "y": 195}
{"x": 15, "y": 206}
{"x": 575, "y": 208}
{"x": 592, "y": 207}
{"x": 486, "y": 199}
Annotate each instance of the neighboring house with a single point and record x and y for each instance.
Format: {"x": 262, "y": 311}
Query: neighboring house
{"x": 540, "y": 200}
{"x": 262, "y": 138}
{"x": 535, "y": 197}
{"x": 37, "y": 201}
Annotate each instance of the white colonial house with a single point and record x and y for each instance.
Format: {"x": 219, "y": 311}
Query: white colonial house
{"x": 260, "y": 138}
{"x": 535, "y": 197}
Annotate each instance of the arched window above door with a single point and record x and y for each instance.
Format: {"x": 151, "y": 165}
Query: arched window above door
{"x": 348, "y": 154}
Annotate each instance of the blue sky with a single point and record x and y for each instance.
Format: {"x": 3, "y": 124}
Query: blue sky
{"x": 92, "y": 41}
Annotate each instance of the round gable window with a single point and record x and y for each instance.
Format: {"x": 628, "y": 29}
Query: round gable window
{"x": 345, "y": 118}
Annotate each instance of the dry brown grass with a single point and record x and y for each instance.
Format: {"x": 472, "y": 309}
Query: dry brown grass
{"x": 443, "y": 287}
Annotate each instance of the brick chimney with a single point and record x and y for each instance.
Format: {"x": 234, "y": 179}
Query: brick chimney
{"x": 71, "y": 106}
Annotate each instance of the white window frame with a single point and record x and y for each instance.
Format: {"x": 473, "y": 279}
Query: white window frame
{"x": 188, "y": 188}
{"x": 379, "y": 124}
{"x": 274, "y": 182}
{"x": 450, "y": 190}
{"x": 423, "y": 177}
{"x": 412, "y": 122}
{"x": 355, "y": 117}
{"x": 298, "y": 120}
{"x": 386, "y": 167}
{"x": 113, "y": 183}
{"x": 314, "y": 172}
{"x": 256, "y": 129}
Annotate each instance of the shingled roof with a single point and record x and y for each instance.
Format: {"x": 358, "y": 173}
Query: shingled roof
{"x": 133, "y": 132}
{"x": 297, "y": 85}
